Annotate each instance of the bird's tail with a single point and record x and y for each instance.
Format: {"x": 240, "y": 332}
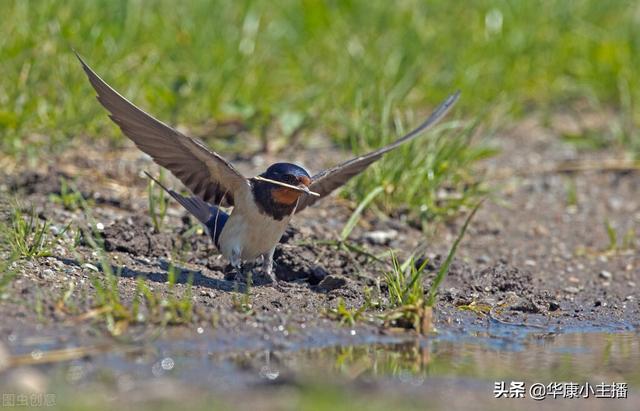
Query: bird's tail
{"x": 212, "y": 217}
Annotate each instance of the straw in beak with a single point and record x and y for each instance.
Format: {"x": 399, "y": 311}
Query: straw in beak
{"x": 302, "y": 188}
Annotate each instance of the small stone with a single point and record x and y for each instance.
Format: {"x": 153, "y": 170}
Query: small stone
{"x": 574, "y": 280}
{"x": 483, "y": 259}
{"x": 47, "y": 274}
{"x": 530, "y": 263}
{"x": 631, "y": 284}
{"x": 91, "y": 267}
{"x": 572, "y": 290}
{"x": 553, "y": 306}
{"x": 332, "y": 282}
{"x": 606, "y": 275}
{"x": 628, "y": 298}
{"x": 381, "y": 237}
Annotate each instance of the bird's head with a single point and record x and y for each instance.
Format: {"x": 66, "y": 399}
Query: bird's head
{"x": 289, "y": 174}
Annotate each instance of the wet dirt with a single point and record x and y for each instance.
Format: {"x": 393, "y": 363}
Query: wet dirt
{"x": 537, "y": 257}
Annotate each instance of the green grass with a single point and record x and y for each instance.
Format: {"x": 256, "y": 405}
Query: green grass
{"x": 404, "y": 282}
{"x": 114, "y": 310}
{"x": 25, "y": 235}
{"x": 356, "y": 71}
{"x": 158, "y": 202}
{"x": 408, "y": 304}
{"x": 69, "y": 197}
{"x": 146, "y": 307}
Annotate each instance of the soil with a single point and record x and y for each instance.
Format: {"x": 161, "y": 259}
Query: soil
{"x": 535, "y": 255}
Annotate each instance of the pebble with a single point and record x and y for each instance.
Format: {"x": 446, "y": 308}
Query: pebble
{"x": 381, "y": 237}
{"x": 91, "y": 267}
{"x": 572, "y": 290}
{"x": 530, "y": 263}
{"x": 606, "y": 275}
{"x": 46, "y": 274}
{"x": 332, "y": 282}
{"x": 483, "y": 259}
{"x": 631, "y": 284}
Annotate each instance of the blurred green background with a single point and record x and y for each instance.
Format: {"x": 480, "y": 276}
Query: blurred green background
{"x": 359, "y": 72}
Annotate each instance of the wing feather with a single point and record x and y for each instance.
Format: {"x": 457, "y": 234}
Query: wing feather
{"x": 207, "y": 174}
{"x": 328, "y": 180}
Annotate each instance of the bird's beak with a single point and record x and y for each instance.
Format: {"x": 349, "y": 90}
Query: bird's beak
{"x": 306, "y": 190}
{"x": 302, "y": 187}
{"x": 305, "y": 182}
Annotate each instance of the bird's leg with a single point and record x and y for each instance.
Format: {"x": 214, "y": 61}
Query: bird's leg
{"x": 236, "y": 263}
{"x": 267, "y": 265}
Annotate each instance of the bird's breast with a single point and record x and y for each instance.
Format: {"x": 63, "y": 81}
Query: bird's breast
{"x": 250, "y": 232}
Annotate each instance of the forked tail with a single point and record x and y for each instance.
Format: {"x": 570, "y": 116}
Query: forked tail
{"x": 212, "y": 217}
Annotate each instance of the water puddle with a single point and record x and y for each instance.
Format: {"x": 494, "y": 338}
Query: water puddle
{"x": 502, "y": 354}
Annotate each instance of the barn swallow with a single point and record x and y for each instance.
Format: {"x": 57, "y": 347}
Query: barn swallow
{"x": 262, "y": 205}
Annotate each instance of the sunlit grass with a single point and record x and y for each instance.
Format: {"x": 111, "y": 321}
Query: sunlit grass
{"x": 158, "y": 202}
{"x": 69, "y": 197}
{"x": 26, "y": 235}
{"x": 406, "y": 303}
{"x": 357, "y": 72}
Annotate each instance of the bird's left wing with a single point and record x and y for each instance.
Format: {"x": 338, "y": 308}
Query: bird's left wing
{"x": 328, "y": 180}
{"x": 207, "y": 174}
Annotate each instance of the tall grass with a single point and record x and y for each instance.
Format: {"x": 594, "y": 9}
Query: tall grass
{"x": 356, "y": 71}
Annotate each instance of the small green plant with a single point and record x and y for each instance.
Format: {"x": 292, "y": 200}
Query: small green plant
{"x": 7, "y": 273}
{"x": 627, "y": 242}
{"x": 404, "y": 282}
{"x": 158, "y": 202}
{"x": 612, "y": 234}
{"x": 27, "y": 235}
{"x": 146, "y": 306}
{"x": 571, "y": 192}
{"x": 241, "y": 299}
{"x": 345, "y": 315}
{"x": 69, "y": 197}
{"x": 444, "y": 268}
{"x": 410, "y": 307}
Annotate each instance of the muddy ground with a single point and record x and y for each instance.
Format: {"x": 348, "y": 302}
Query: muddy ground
{"x": 536, "y": 254}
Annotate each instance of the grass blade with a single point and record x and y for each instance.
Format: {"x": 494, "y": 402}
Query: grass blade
{"x": 444, "y": 268}
{"x": 353, "y": 220}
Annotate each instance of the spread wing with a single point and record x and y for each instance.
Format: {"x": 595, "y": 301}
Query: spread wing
{"x": 328, "y": 180}
{"x": 204, "y": 172}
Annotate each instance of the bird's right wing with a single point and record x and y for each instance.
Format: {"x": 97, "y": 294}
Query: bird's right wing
{"x": 208, "y": 175}
{"x": 328, "y": 180}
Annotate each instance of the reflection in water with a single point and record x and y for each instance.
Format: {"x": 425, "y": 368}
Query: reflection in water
{"x": 594, "y": 357}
